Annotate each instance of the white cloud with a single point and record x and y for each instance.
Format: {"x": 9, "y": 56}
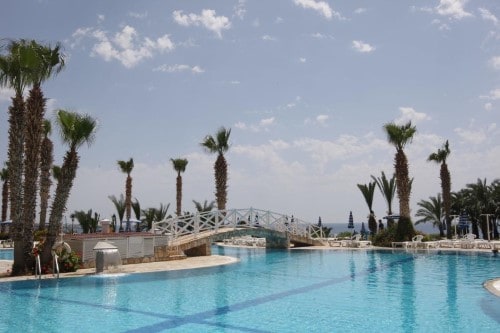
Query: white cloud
{"x": 493, "y": 95}
{"x": 125, "y": 46}
{"x": 495, "y": 62}
{"x": 179, "y": 68}
{"x": 322, "y": 119}
{"x": 360, "y": 10}
{"x": 302, "y": 60}
{"x": 138, "y": 15}
{"x": 322, "y": 7}
{"x": 488, "y": 16}
{"x": 362, "y": 47}
{"x": 235, "y": 82}
{"x": 239, "y": 9}
{"x": 240, "y": 125}
{"x": 267, "y": 122}
{"x": 268, "y": 38}
{"x": 409, "y": 114}
{"x": 441, "y": 26}
{"x": 279, "y": 20}
{"x": 452, "y": 8}
{"x": 471, "y": 136}
{"x": 488, "y": 106}
{"x": 100, "y": 18}
{"x": 208, "y": 19}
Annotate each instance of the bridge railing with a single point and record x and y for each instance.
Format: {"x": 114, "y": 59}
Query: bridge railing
{"x": 193, "y": 224}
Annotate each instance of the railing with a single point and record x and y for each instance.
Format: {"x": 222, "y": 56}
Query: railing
{"x": 55, "y": 265}
{"x": 38, "y": 267}
{"x": 235, "y": 218}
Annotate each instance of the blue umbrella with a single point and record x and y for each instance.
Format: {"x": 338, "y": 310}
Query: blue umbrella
{"x": 463, "y": 221}
{"x": 350, "y": 225}
{"x": 363, "y": 230}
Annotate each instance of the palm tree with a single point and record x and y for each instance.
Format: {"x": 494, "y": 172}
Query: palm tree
{"x": 399, "y": 136}
{"x": 56, "y": 173}
{"x": 155, "y": 214}
{"x": 44, "y": 62}
{"x": 76, "y": 129}
{"x": 136, "y": 207}
{"x": 127, "y": 167}
{"x": 46, "y": 160}
{"x": 119, "y": 205}
{"x": 219, "y": 145}
{"x": 368, "y": 191}
{"x": 206, "y": 207}
{"x": 431, "y": 211}
{"x": 4, "y": 177}
{"x": 440, "y": 157}
{"x": 179, "y": 165}
{"x": 13, "y": 74}
{"x": 387, "y": 188}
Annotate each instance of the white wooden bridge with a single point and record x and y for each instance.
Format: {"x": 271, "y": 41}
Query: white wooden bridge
{"x": 194, "y": 233}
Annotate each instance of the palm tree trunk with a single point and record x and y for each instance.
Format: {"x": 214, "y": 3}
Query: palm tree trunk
{"x": 128, "y": 197}
{"x": 220, "y": 169}
{"x": 35, "y": 110}
{"x": 446, "y": 189}
{"x": 15, "y": 165}
{"x": 46, "y": 160}
{"x": 403, "y": 182}
{"x": 179, "y": 194}
{"x": 64, "y": 185}
{"x": 5, "y": 201}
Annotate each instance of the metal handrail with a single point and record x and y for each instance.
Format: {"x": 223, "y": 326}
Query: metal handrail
{"x": 55, "y": 265}
{"x": 38, "y": 267}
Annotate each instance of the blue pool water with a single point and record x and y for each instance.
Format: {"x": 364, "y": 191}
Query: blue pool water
{"x": 270, "y": 291}
{"x": 6, "y": 254}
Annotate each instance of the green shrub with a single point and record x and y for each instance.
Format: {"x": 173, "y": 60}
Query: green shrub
{"x": 344, "y": 234}
{"x": 385, "y": 237}
{"x": 68, "y": 262}
{"x": 405, "y": 231}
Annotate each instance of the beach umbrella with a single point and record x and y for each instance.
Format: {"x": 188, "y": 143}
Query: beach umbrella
{"x": 463, "y": 222}
{"x": 363, "y": 230}
{"x": 350, "y": 225}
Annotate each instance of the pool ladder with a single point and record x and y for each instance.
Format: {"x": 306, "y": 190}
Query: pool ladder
{"x": 38, "y": 267}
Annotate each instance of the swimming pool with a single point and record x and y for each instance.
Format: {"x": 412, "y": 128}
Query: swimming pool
{"x": 270, "y": 291}
{"x": 6, "y": 254}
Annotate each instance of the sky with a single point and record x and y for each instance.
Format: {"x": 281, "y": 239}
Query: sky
{"x": 304, "y": 85}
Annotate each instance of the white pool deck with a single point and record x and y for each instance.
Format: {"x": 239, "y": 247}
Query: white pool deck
{"x": 492, "y": 285}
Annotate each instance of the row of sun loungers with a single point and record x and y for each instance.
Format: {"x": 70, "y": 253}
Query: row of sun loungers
{"x": 6, "y": 243}
{"x": 353, "y": 242}
{"x": 246, "y": 241}
{"x": 469, "y": 241}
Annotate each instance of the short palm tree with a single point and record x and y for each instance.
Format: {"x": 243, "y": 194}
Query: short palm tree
{"x": 119, "y": 206}
{"x": 440, "y": 157}
{"x": 76, "y": 129}
{"x": 127, "y": 167}
{"x": 387, "y": 188}
{"x": 399, "y": 136}
{"x": 431, "y": 211}
{"x": 179, "y": 165}
{"x": 219, "y": 144}
{"x": 206, "y": 207}
{"x": 368, "y": 190}
{"x": 46, "y": 160}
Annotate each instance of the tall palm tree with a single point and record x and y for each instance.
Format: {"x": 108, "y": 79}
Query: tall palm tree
{"x": 219, "y": 145}
{"x": 440, "y": 157}
{"x": 431, "y": 211}
{"x": 399, "y": 136}
{"x": 368, "y": 190}
{"x": 179, "y": 165}
{"x": 127, "y": 167}
{"x": 14, "y": 74}
{"x": 136, "y": 207}
{"x": 387, "y": 188}
{"x": 46, "y": 160}
{"x": 4, "y": 177}
{"x": 45, "y": 61}
{"x": 76, "y": 129}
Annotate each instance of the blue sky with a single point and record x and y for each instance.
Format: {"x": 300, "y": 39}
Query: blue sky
{"x": 305, "y": 86}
